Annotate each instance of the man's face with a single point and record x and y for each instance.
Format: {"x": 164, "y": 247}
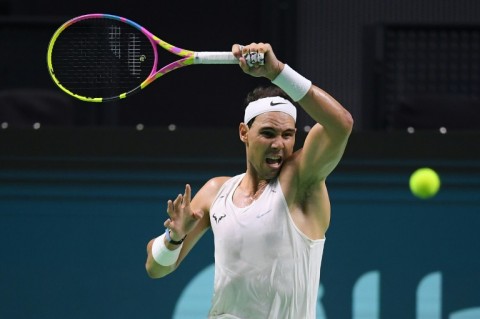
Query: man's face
{"x": 270, "y": 141}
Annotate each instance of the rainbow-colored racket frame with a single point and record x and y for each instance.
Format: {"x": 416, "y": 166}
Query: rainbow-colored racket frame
{"x": 187, "y": 58}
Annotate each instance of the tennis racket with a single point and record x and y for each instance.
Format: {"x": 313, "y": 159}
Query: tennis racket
{"x": 103, "y": 57}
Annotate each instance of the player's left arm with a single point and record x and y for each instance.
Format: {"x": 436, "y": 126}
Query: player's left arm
{"x": 326, "y": 141}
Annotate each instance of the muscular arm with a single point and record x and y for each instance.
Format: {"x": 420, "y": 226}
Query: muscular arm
{"x": 200, "y": 204}
{"x": 326, "y": 141}
{"x": 303, "y": 175}
{"x": 321, "y": 152}
{"x": 154, "y": 270}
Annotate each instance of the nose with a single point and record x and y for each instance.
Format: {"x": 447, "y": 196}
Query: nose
{"x": 277, "y": 143}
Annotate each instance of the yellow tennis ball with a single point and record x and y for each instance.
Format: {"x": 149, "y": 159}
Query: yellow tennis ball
{"x": 424, "y": 183}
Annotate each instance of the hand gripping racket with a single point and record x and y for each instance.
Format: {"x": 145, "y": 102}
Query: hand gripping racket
{"x": 102, "y": 57}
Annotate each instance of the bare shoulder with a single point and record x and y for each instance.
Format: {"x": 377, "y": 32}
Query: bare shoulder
{"x": 205, "y": 196}
{"x": 215, "y": 183}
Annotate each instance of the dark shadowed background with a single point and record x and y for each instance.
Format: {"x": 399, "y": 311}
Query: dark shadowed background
{"x": 83, "y": 187}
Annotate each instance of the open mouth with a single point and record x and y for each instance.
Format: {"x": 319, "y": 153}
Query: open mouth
{"x": 274, "y": 160}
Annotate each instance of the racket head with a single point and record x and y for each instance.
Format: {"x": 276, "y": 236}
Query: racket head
{"x": 103, "y": 57}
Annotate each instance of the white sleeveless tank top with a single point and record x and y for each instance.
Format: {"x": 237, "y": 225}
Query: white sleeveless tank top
{"x": 265, "y": 267}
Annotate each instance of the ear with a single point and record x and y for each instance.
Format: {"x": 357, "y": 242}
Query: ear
{"x": 243, "y": 132}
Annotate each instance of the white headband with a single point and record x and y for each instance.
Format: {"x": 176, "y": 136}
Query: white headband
{"x": 269, "y": 104}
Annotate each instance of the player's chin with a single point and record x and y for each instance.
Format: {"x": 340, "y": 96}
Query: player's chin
{"x": 269, "y": 175}
{"x": 272, "y": 170}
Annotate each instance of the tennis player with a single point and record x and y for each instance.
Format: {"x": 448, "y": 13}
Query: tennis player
{"x": 269, "y": 223}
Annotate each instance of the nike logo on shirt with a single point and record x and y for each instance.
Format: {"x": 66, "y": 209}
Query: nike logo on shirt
{"x": 264, "y": 213}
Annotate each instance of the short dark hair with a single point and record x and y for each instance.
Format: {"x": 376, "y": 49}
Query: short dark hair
{"x": 262, "y": 92}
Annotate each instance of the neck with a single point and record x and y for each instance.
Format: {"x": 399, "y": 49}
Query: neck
{"x": 248, "y": 191}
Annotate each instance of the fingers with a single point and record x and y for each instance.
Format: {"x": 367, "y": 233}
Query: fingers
{"x": 167, "y": 224}
{"x": 187, "y": 196}
{"x": 180, "y": 202}
{"x": 177, "y": 203}
{"x": 258, "y": 60}
{"x": 254, "y": 54}
{"x": 254, "y": 59}
{"x": 237, "y": 50}
{"x": 182, "y": 218}
{"x": 241, "y": 52}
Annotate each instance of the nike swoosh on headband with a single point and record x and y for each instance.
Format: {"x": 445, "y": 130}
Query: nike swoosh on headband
{"x": 269, "y": 104}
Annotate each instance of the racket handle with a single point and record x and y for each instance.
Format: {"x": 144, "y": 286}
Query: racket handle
{"x": 215, "y": 58}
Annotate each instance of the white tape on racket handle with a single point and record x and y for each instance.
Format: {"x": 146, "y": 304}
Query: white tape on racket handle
{"x": 215, "y": 58}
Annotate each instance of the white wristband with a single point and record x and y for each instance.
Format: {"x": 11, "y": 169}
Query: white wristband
{"x": 293, "y": 83}
{"x": 161, "y": 254}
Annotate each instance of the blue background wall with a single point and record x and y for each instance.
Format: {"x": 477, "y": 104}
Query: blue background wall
{"x": 77, "y": 208}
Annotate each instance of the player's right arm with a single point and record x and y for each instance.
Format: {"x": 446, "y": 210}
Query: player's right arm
{"x": 186, "y": 217}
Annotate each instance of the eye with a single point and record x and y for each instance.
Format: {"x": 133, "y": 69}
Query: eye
{"x": 268, "y": 134}
{"x": 288, "y": 135}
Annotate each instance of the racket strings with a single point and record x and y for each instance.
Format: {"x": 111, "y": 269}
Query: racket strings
{"x": 102, "y": 58}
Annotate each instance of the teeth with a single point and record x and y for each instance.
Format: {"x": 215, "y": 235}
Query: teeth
{"x": 274, "y": 159}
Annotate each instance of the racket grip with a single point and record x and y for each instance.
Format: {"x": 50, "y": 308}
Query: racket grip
{"x": 215, "y": 58}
